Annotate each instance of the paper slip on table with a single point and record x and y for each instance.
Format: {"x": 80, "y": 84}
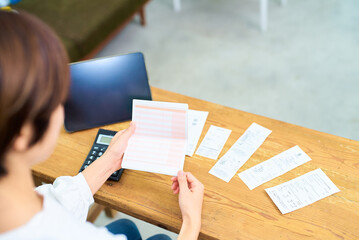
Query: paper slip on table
{"x": 230, "y": 210}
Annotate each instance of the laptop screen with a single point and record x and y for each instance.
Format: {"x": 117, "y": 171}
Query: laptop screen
{"x": 102, "y": 90}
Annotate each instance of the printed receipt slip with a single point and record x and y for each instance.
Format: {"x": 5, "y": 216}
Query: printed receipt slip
{"x": 213, "y": 142}
{"x": 240, "y": 152}
{"x": 160, "y": 139}
{"x": 196, "y": 121}
{"x": 274, "y": 167}
{"x": 302, "y": 191}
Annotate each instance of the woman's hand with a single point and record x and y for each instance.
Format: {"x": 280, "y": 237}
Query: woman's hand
{"x": 190, "y": 201}
{"x": 101, "y": 169}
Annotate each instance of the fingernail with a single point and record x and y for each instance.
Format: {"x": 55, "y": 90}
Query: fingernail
{"x": 180, "y": 173}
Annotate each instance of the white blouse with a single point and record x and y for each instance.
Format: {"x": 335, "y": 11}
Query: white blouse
{"x": 63, "y": 216}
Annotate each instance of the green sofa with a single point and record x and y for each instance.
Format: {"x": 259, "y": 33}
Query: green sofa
{"x": 84, "y": 26}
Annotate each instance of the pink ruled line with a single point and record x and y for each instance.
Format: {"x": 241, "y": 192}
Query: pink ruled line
{"x": 180, "y": 125}
{"x": 161, "y": 109}
{"x": 181, "y": 120}
{"x": 144, "y": 144}
{"x": 146, "y": 128}
{"x": 133, "y": 160}
{"x": 156, "y": 116}
{"x": 133, "y": 149}
{"x": 153, "y": 135}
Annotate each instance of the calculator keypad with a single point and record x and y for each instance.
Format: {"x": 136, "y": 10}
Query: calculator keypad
{"x": 95, "y": 153}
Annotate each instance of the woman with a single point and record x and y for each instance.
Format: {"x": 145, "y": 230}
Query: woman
{"x": 34, "y": 81}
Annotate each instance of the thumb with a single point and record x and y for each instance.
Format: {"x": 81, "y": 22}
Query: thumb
{"x": 182, "y": 181}
{"x": 129, "y": 131}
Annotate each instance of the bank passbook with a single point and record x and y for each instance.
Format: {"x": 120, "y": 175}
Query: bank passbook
{"x": 159, "y": 142}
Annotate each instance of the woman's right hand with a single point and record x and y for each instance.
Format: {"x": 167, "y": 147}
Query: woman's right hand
{"x": 118, "y": 145}
{"x": 100, "y": 170}
{"x": 190, "y": 201}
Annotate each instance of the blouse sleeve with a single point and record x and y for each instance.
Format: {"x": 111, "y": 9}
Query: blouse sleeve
{"x": 73, "y": 193}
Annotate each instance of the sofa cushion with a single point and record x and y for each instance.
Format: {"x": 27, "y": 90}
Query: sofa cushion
{"x": 82, "y": 24}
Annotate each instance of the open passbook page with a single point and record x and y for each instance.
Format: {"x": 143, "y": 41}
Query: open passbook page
{"x": 160, "y": 139}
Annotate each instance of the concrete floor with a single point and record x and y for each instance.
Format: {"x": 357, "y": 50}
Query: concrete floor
{"x": 303, "y": 70}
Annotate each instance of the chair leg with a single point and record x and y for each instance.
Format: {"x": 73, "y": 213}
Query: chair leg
{"x": 94, "y": 211}
{"x": 142, "y": 16}
{"x": 263, "y": 14}
{"x": 177, "y": 5}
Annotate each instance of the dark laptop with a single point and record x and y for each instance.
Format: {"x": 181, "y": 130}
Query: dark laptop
{"x": 102, "y": 90}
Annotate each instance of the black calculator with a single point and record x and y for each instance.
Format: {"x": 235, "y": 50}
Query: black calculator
{"x": 99, "y": 147}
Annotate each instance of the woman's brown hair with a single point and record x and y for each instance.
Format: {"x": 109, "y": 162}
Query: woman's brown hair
{"x": 34, "y": 77}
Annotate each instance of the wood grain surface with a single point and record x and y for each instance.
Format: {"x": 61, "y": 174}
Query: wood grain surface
{"x": 230, "y": 210}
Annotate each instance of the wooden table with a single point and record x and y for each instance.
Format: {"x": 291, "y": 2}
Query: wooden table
{"x": 230, "y": 210}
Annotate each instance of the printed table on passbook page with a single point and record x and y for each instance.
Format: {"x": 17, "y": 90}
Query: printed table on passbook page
{"x": 160, "y": 139}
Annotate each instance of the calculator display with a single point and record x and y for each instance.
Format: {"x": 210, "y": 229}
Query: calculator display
{"x": 104, "y": 139}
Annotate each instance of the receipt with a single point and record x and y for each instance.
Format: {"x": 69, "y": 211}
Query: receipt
{"x": 213, "y": 142}
{"x": 302, "y": 191}
{"x": 196, "y": 121}
{"x": 240, "y": 152}
{"x": 274, "y": 167}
